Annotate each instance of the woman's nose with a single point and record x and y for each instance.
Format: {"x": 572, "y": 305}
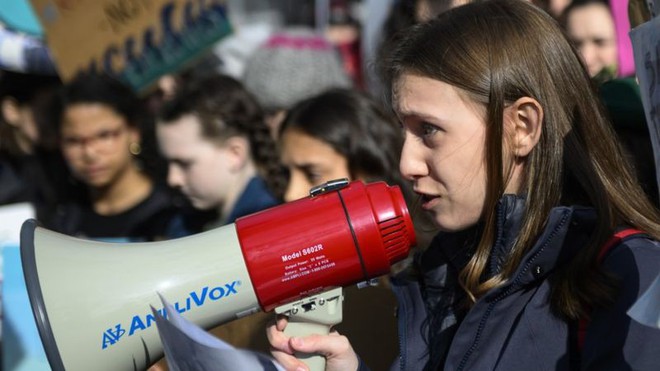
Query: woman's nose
{"x": 296, "y": 189}
{"x": 411, "y": 164}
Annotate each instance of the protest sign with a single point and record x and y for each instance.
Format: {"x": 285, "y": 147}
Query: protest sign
{"x": 136, "y": 40}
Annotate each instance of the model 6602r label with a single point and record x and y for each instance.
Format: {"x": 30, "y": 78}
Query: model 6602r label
{"x": 304, "y": 262}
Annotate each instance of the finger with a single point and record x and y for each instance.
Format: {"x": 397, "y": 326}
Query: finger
{"x": 279, "y": 322}
{"x": 335, "y": 348}
{"x": 282, "y": 321}
{"x": 278, "y": 340}
{"x": 272, "y": 320}
{"x": 328, "y": 346}
{"x": 288, "y": 361}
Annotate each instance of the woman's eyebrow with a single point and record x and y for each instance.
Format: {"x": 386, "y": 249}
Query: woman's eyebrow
{"x": 404, "y": 114}
{"x": 305, "y": 166}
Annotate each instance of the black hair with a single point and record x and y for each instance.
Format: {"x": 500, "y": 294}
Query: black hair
{"x": 23, "y": 86}
{"x": 366, "y": 134}
{"x": 354, "y": 126}
{"x": 36, "y": 92}
{"x": 101, "y": 88}
{"x": 89, "y": 88}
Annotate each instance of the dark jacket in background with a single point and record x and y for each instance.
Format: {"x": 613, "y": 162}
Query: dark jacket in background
{"x": 39, "y": 179}
{"x": 255, "y": 197}
{"x": 148, "y": 220}
{"x": 623, "y": 101}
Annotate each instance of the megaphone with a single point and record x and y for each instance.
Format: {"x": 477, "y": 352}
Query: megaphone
{"x": 91, "y": 300}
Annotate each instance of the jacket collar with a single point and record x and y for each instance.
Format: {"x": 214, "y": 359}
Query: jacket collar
{"x": 456, "y": 248}
{"x": 510, "y": 210}
{"x": 568, "y": 229}
{"x": 551, "y": 249}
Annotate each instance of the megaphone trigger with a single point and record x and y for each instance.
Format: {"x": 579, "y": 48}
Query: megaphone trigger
{"x": 316, "y": 314}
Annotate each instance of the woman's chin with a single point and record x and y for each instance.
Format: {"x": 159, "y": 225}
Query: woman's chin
{"x": 452, "y": 224}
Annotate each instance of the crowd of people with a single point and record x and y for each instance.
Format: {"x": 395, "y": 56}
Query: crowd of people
{"x": 520, "y": 153}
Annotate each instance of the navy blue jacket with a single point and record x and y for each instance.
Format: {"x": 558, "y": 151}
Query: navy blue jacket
{"x": 512, "y": 327}
{"x": 255, "y": 197}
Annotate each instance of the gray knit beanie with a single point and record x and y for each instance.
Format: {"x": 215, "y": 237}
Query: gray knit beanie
{"x": 292, "y": 65}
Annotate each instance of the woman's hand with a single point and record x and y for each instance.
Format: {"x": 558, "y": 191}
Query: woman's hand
{"x": 336, "y": 348}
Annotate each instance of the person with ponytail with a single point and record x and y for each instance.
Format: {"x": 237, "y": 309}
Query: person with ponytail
{"x": 219, "y": 150}
{"x": 342, "y": 133}
{"x": 223, "y": 158}
{"x": 546, "y": 238}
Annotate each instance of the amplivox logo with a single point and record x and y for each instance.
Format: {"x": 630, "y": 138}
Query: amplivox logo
{"x": 194, "y": 300}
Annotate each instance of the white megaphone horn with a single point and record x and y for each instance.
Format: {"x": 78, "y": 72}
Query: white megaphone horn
{"x": 92, "y": 300}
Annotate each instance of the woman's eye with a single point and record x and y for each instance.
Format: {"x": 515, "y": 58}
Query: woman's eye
{"x": 104, "y": 135}
{"x": 428, "y": 129}
{"x": 314, "y": 178}
{"x": 601, "y": 42}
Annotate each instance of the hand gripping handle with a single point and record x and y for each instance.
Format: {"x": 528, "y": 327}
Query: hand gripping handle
{"x": 313, "y": 315}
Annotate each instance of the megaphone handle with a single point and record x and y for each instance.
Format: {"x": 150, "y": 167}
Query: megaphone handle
{"x": 314, "y": 361}
{"x": 313, "y": 315}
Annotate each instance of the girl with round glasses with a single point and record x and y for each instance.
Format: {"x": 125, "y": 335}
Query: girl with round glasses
{"x": 101, "y": 141}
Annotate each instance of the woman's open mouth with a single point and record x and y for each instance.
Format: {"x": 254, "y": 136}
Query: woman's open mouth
{"x": 428, "y": 201}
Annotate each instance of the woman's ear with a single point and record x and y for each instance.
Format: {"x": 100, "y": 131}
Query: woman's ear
{"x": 134, "y": 135}
{"x": 11, "y": 111}
{"x": 523, "y": 120}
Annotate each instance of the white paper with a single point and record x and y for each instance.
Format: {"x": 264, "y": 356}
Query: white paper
{"x": 646, "y": 309}
{"x": 646, "y": 47}
{"x": 188, "y": 347}
{"x": 11, "y": 219}
{"x": 654, "y": 7}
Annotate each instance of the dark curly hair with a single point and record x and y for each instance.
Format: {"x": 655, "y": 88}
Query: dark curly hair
{"x": 226, "y": 109}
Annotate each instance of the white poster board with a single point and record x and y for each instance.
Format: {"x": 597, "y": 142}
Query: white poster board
{"x": 646, "y": 47}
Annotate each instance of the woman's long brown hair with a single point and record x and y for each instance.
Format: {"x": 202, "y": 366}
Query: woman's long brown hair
{"x": 497, "y": 52}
